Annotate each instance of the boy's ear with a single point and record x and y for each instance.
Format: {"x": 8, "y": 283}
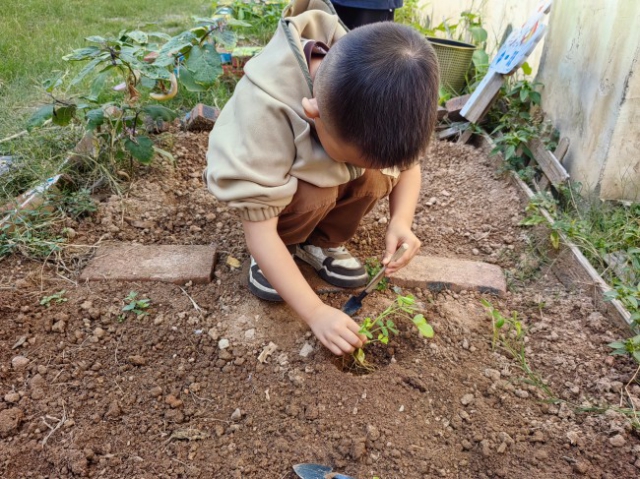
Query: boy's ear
{"x": 310, "y": 107}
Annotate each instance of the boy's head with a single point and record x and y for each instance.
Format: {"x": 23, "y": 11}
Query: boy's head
{"x": 376, "y": 96}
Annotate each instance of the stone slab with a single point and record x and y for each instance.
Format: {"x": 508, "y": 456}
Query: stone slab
{"x": 167, "y": 263}
{"x": 437, "y": 274}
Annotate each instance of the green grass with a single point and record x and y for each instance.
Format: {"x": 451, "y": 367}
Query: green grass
{"x": 37, "y": 33}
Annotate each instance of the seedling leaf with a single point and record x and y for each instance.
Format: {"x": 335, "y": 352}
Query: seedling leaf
{"x": 424, "y": 328}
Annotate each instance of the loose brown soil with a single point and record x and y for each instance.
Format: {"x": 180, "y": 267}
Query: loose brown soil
{"x": 155, "y": 397}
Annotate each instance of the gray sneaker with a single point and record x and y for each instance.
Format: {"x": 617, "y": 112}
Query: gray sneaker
{"x": 259, "y": 285}
{"x": 334, "y": 265}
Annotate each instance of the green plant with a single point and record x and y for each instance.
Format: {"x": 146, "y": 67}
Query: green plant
{"x": 509, "y": 334}
{"x": 262, "y": 16}
{"x": 630, "y": 346}
{"x": 32, "y": 233}
{"x": 379, "y": 329}
{"x": 56, "y": 298}
{"x": 134, "y": 306}
{"x": 373, "y": 267}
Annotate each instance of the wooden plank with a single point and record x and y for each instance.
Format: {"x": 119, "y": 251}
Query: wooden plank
{"x": 442, "y": 112}
{"x": 465, "y": 136}
{"x": 570, "y": 266}
{"x": 548, "y": 163}
{"x": 483, "y": 97}
{"x": 455, "y": 105}
{"x": 561, "y": 149}
{"x": 453, "y": 130}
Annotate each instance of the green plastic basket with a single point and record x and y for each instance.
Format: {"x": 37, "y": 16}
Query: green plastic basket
{"x": 454, "y": 59}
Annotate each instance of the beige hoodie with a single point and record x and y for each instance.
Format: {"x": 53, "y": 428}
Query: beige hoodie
{"x": 262, "y": 143}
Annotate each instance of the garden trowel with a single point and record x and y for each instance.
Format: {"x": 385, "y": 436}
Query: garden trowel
{"x": 355, "y": 302}
{"x": 317, "y": 471}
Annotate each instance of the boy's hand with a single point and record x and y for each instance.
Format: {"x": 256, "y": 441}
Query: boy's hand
{"x": 337, "y": 331}
{"x": 396, "y": 235}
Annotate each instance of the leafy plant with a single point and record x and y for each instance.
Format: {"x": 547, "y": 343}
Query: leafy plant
{"x": 134, "y": 306}
{"x": 56, "y": 298}
{"x": 629, "y": 347}
{"x": 373, "y": 267}
{"x": 379, "y": 329}
{"x": 262, "y": 15}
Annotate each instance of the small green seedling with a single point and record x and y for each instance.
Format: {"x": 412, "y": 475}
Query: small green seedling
{"x": 378, "y": 330}
{"x": 54, "y": 298}
{"x": 373, "y": 266}
{"x": 498, "y": 322}
{"x": 629, "y": 346}
{"x": 135, "y": 306}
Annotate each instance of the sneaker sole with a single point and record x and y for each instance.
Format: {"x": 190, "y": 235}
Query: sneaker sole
{"x": 261, "y": 292}
{"x": 328, "y": 276}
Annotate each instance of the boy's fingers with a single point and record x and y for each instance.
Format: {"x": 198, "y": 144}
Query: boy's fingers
{"x": 344, "y": 346}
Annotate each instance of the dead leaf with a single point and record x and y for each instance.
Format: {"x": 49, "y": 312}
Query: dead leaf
{"x": 268, "y": 350}
{"x": 19, "y": 342}
{"x": 232, "y": 262}
{"x": 189, "y": 434}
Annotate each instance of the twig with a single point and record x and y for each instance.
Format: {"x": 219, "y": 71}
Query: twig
{"x": 61, "y": 421}
{"x": 195, "y": 305}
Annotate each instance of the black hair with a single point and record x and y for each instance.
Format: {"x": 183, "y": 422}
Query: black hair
{"x": 378, "y": 89}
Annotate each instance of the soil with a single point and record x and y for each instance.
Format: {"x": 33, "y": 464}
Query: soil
{"x": 84, "y": 394}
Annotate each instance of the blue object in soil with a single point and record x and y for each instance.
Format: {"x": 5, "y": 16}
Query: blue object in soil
{"x": 225, "y": 57}
{"x": 317, "y": 471}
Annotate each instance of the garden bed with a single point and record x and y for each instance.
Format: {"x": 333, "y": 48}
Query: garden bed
{"x": 155, "y": 396}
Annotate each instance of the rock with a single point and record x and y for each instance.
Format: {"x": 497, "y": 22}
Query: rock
{"x": 581, "y": 467}
{"x": 373, "y": 432}
{"x": 358, "y": 448}
{"x": 466, "y": 445}
{"x": 296, "y": 377}
{"x": 87, "y": 305}
{"x": 538, "y": 436}
{"x": 78, "y": 463}
{"x": 10, "y": 419}
{"x": 250, "y": 334}
{"x": 19, "y": 362}
{"x": 502, "y": 448}
{"x": 541, "y": 455}
{"x": 155, "y": 391}
{"x": 137, "y": 360}
{"x": 38, "y": 387}
{"x": 383, "y": 220}
{"x": 99, "y": 333}
{"x": 113, "y": 411}
{"x": 173, "y": 401}
{"x": 174, "y": 415}
{"x": 236, "y": 415}
{"x": 485, "y": 445}
{"x": 59, "y": 327}
{"x": 467, "y": 399}
{"x": 573, "y": 437}
{"x": 213, "y": 334}
{"x": 12, "y": 397}
{"x": 223, "y": 343}
{"x": 492, "y": 374}
{"x": 465, "y": 343}
{"x": 307, "y": 349}
{"x": 311, "y": 413}
{"x": 521, "y": 393}
{"x": 617, "y": 441}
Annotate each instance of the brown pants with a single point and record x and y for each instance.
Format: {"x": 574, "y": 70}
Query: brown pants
{"x": 329, "y": 217}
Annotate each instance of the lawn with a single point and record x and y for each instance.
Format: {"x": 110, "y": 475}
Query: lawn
{"x": 37, "y": 33}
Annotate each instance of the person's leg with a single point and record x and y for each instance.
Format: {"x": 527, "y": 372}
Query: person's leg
{"x": 356, "y": 17}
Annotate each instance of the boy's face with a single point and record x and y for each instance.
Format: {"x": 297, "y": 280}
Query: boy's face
{"x": 338, "y": 149}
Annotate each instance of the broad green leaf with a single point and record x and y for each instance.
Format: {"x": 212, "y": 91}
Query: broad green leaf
{"x": 384, "y": 340}
{"x": 367, "y": 333}
{"x": 479, "y": 34}
{"x": 164, "y": 61}
{"x": 94, "y": 118}
{"x": 141, "y": 149}
{"x": 159, "y": 112}
{"x": 82, "y": 54}
{"x": 480, "y": 59}
{"x": 86, "y": 70}
{"x": 636, "y": 356}
{"x": 526, "y": 68}
{"x": 129, "y": 307}
{"x": 177, "y": 43}
{"x": 62, "y": 116}
{"x": 165, "y": 154}
{"x": 524, "y": 95}
{"x": 97, "y": 85}
{"x": 616, "y": 345}
{"x": 160, "y": 35}
{"x": 186, "y": 79}
{"x": 424, "y": 328}
{"x": 138, "y": 36}
{"x": 535, "y": 97}
{"x": 237, "y": 23}
{"x": 205, "y": 64}
{"x": 500, "y": 323}
{"x": 226, "y": 38}
{"x": 154, "y": 71}
{"x": 50, "y": 83}
{"x": 40, "y": 116}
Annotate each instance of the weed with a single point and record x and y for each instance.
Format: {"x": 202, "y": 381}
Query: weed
{"x": 373, "y": 267}
{"x": 134, "y": 306}
{"x": 509, "y": 334}
{"x": 56, "y": 298}
{"x": 379, "y": 329}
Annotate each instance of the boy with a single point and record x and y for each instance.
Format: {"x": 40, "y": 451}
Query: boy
{"x": 323, "y": 125}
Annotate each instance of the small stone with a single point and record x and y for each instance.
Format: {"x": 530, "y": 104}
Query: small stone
{"x": 223, "y": 343}
{"x": 19, "y": 362}
{"x": 155, "y": 391}
{"x": 173, "y": 401}
{"x": 249, "y": 334}
{"x": 637, "y": 463}
{"x": 99, "y": 333}
{"x": 475, "y": 251}
{"x": 12, "y": 397}
{"x": 87, "y": 305}
{"x": 373, "y": 432}
{"x": 541, "y": 455}
{"x": 69, "y": 423}
{"x": 467, "y": 399}
{"x": 113, "y": 411}
{"x": 538, "y": 436}
{"x": 307, "y": 349}
{"x": 10, "y": 419}
{"x": 59, "y": 327}
{"x": 174, "y": 415}
{"x": 383, "y": 220}
{"x": 158, "y": 320}
{"x": 492, "y": 374}
{"x": 581, "y": 467}
{"x": 465, "y": 343}
{"x": 137, "y": 360}
{"x": 213, "y": 334}
{"x": 617, "y": 441}
{"x": 466, "y": 445}
{"x": 521, "y": 393}
{"x": 236, "y": 415}
{"x": 573, "y": 437}
{"x": 296, "y": 377}
{"x": 502, "y": 448}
